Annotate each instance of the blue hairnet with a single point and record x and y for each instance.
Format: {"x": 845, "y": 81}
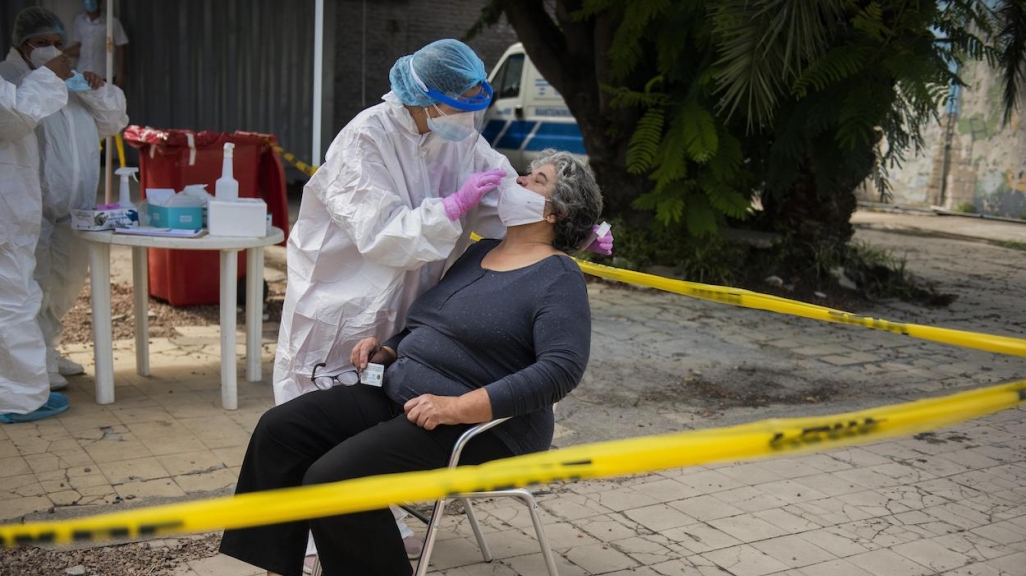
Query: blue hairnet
{"x": 447, "y": 66}
{"x": 35, "y": 21}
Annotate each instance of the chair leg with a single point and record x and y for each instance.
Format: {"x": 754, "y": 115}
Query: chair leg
{"x": 429, "y": 537}
{"x": 476, "y": 527}
{"x": 532, "y": 507}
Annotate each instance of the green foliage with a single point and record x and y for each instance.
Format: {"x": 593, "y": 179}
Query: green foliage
{"x": 699, "y": 132}
{"x": 699, "y": 105}
{"x": 966, "y": 208}
{"x": 644, "y": 144}
{"x": 1013, "y": 244}
{"x": 1012, "y": 41}
{"x": 710, "y": 259}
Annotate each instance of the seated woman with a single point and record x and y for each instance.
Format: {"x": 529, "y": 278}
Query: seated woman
{"x": 507, "y": 332}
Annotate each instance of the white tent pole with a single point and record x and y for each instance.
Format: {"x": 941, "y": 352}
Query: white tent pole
{"x": 318, "y": 72}
{"x": 109, "y": 142}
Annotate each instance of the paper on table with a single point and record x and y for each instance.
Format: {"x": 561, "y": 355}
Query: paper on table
{"x": 151, "y": 231}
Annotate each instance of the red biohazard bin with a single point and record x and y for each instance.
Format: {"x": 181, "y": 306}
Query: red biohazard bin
{"x": 177, "y": 158}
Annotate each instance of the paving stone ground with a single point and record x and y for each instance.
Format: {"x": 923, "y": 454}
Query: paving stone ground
{"x": 949, "y": 502}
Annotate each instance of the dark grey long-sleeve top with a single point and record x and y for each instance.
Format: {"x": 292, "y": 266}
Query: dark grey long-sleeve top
{"x": 523, "y": 335}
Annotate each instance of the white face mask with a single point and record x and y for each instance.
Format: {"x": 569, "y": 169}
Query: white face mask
{"x": 40, "y": 56}
{"x": 518, "y": 205}
{"x": 452, "y": 127}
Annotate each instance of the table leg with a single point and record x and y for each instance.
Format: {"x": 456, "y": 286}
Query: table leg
{"x": 141, "y": 302}
{"x": 254, "y": 311}
{"x": 103, "y": 345}
{"x": 229, "y": 299}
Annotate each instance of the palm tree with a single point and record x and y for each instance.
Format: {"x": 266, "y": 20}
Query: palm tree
{"x": 690, "y": 108}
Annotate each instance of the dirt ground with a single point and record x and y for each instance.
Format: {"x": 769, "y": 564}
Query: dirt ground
{"x": 78, "y": 326}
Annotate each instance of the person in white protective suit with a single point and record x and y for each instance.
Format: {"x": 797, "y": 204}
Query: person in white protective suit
{"x": 402, "y": 187}
{"x": 374, "y": 230}
{"x": 69, "y": 144}
{"x": 24, "y": 390}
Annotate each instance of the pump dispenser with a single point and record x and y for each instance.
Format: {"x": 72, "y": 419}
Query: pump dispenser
{"x": 124, "y": 197}
{"x": 131, "y": 217}
{"x": 226, "y": 189}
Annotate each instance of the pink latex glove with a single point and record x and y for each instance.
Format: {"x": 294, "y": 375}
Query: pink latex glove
{"x": 602, "y": 245}
{"x": 477, "y": 185}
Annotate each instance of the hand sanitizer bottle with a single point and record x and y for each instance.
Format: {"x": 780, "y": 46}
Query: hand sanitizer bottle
{"x": 124, "y": 196}
{"x": 226, "y": 189}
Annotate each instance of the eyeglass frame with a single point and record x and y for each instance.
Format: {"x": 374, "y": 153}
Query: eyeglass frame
{"x": 334, "y": 379}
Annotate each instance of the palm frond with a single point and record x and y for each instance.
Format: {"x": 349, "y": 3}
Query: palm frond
{"x": 1011, "y": 37}
{"x": 644, "y": 144}
{"x": 623, "y": 97}
{"x": 699, "y": 131}
{"x": 836, "y": 65}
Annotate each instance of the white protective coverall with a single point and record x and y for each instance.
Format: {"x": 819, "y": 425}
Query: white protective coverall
{"x": 24, "y": 386}
{"x": 372, "y": 235}
{"x": 69, "y": 146}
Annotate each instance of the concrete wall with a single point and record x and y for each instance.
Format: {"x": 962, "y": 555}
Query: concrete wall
{"x": 370, "y": 36}
{"x": 985, "y": 165}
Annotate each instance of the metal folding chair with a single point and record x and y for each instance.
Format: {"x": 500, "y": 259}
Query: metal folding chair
{"x": 437, "y": 512}
{"x": 521, "y": 494}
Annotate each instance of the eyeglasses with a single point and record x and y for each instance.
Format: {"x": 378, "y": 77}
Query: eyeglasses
{"x": 325, "y": 382}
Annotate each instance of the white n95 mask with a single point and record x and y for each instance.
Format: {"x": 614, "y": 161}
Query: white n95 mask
{"x": 518, "y": 205}
{"x": 40, "y": 56}
{"x": 452, "y": 127}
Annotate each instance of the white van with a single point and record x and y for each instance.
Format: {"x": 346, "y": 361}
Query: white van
{"x": 527, "y": 114}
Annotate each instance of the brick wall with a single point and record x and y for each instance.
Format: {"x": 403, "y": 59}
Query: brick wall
{"x": 395, "y": 28}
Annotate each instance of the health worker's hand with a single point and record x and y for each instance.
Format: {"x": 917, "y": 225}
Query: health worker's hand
{"x": 371, "y": 350}
{"x": 429, "y": 411}
{"x": 95, "y": 80}
{"x": 603, "y": 245}
{"x": 477, "y": 185}
{"x": 61, "y": 66}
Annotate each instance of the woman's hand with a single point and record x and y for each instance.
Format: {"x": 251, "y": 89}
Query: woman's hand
{"x": 428, "y": 410}
{"x": 371, "y": 350}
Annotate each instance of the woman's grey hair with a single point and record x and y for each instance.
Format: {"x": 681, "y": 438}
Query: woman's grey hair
{"x": 576, "y": 199}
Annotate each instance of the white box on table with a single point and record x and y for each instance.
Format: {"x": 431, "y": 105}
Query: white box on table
{"x": 243, "y": 217}
{"x": 103, "y": 219}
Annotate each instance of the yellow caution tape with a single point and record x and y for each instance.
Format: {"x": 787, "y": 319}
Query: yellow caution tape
{"x": 119, "y": 143}
{"x": 291, "y": 159}
{"x": 631, "y": 456}
{"x": 749, "y": 299}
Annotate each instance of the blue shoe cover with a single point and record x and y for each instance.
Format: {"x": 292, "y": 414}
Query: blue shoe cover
{"x": 55, "y": 404}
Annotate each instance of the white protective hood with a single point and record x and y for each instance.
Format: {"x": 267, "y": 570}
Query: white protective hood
{"x": 24, "y": 386}
{"x": 373, "y": 235}
{"x": 69, "y": 148}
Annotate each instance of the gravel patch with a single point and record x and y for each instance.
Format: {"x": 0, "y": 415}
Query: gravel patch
{"x": 152, "y": 558}
{"x": 164, "y": 318}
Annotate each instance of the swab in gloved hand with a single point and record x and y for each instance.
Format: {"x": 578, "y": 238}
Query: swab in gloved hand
{"x": 601, "y": 239}
{"x": 477, "y": 185}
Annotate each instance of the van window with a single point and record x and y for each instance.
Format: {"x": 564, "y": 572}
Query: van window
{"x": 508, "y": 78}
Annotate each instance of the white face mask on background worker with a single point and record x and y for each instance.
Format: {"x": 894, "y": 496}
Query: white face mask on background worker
{"x": 40, "y": 56}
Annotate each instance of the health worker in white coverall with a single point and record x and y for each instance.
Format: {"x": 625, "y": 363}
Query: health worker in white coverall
{"x": 24, "y": 390}
{"x": 400, "y": 191}
{"x": 69, "y": 149}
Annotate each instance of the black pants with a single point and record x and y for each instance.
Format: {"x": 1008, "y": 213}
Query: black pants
{"x": 331, "y": 435}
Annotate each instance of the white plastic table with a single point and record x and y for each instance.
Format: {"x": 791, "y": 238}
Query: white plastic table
{"x": 99, "y": 261}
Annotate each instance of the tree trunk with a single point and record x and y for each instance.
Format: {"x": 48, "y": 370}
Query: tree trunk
{"x": 810, "y": 216}
{"x": 570, "y": 54}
